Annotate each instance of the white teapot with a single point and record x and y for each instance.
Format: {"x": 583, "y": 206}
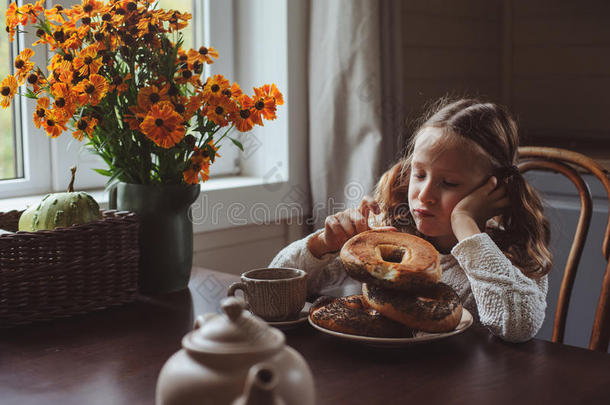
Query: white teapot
{"x": 235, "y": 358}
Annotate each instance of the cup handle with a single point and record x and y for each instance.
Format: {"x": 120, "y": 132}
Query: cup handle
{"x": 238, "y": 286}
{"x": 234, "y": 287}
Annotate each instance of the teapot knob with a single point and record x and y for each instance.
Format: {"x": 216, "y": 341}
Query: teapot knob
{"x": 232, "y": 307}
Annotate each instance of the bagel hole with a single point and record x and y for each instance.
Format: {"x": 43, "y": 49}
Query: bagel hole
{"x": 391, "y": 253}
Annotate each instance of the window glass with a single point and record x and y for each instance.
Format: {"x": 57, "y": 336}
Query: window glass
{"x": 184, "y": 6}
{"x": 7, "y": 133}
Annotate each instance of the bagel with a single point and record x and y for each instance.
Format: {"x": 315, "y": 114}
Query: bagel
{"x": 393, "y": 260}
{"x": 436, "y": 309}
{"x": 352, "y": 315}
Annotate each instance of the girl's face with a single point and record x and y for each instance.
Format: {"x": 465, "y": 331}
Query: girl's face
{"x": 442, "y": 174}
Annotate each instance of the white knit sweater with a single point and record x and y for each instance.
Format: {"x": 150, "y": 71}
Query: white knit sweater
{"x": 497, "y": 293}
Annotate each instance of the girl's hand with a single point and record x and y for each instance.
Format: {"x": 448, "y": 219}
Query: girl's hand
{"x": 472, "y": 212}
{"x": 339, "y": 228}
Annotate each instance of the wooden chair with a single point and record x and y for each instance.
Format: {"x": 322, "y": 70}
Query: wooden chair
{"x": 573, "y": 165}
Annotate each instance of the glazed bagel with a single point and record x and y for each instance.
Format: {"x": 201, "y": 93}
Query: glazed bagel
{"x": 393, "y": 260}
{"x": 436, "y": 309}
{"x": 352, "y": 315}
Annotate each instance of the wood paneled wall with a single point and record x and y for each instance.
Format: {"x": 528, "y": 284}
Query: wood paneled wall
{"x": 548, "y": 60}
{"x": 561, "y": 71}
{"x": 451, "y": 47}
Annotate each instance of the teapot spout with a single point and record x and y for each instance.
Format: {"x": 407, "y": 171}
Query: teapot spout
{"x": 260, "y": 387}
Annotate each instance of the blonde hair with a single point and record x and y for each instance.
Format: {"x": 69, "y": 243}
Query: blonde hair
{"x": 523, "y": 233}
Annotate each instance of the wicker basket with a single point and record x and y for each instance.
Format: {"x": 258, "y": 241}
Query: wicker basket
{"x": 46, "y": 275}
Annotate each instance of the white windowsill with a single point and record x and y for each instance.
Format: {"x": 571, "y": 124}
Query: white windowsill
{"x": 223, "y": 203}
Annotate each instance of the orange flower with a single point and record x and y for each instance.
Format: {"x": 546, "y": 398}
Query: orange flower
{"x": 42, "y": 106}
{"x": 23, "y": 64}
{"x": 11, "y": 33}
{"x": 36, "y": 80}
{"x": 242, "y": 118}
{"x": 92, "y": 90}
{"x": 120, "y": 83}
{"x": 214, "y": 86}
{"x": 199, "y": 166}
{"x": 163, "y": 126}
{"x": 270, "y": 91}
{"x": 84, "y": 126}
{"x": 203, "y": 55}
{"x": 264, "y": 106}
{"x": 8, "y": 88}
{"x": 186, "y": 75}
{"x": 88, "y": 62}
{"x": 194, "y": 104}
{"x": 185, "y": 106}
{"x": 87, "y": 9}
{"x": 64, "y": 98}
{"x": 191, "y": 175}
{"x": 236, "y": 90}
{"x": 55, "y": 13}
{"x": 61, "y": 63}
{"x": 147, "y": 96}
{"x": 12, "y": 19}
{"x": 54, "y": 123}
{"x": 135, "y": 118}
{"x": 178, "y": 20}
{"x": 74, "y": 39}
{"x": 219, "y": 109}
{"x": 31, "y": 10}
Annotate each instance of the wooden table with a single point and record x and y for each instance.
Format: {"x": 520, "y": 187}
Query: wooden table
{"x": 114, "y": 357}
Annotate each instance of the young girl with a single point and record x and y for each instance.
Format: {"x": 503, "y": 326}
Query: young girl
{"x": 458, "y": 187}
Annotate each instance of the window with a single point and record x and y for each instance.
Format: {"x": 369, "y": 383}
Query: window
{"x": 259, "y": 41}
{"x": 42, "y": 164}
{"x": 8, "y": 151}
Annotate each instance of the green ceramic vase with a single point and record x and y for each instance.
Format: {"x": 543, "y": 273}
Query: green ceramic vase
{"x": 166, "y": 233}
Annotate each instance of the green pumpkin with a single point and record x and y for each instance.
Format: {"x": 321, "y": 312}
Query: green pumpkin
{"x": 60, "y": 210}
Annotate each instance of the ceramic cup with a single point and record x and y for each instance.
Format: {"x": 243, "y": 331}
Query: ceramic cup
{"x": 274, "y": 294}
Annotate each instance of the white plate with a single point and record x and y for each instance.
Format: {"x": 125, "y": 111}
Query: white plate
{"x": 300, "y": 319}
{"x": 464, "y": 324}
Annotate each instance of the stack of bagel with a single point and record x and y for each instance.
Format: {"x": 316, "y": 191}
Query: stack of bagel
{"x": 401, "y": 288}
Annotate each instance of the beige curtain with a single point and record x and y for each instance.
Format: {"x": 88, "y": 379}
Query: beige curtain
{"x": 354, "y": 109}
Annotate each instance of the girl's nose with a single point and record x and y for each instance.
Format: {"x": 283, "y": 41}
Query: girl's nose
{"x": 426, "y": 194}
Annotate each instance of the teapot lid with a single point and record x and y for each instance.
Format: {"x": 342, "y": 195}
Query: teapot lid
{"x": 235, "y": 331}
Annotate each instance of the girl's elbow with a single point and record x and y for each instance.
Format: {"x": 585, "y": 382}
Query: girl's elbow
{"x": 524, "y": 330}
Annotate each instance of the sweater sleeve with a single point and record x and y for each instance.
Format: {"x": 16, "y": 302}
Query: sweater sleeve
{"x": 510, "y": 304}
{"x": 324, "y": 272}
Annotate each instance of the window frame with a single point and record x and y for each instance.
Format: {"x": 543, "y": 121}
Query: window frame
{"x": 36, "y": 158}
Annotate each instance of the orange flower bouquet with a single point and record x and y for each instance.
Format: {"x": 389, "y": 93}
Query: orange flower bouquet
{"x": 117, "y": 79}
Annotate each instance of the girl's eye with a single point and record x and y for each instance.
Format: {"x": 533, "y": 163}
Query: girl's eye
{"x": 449, "y": 184}
{"x": 419, "y": 175}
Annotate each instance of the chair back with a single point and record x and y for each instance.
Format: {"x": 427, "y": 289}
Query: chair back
{"x": 573, "y": 165}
